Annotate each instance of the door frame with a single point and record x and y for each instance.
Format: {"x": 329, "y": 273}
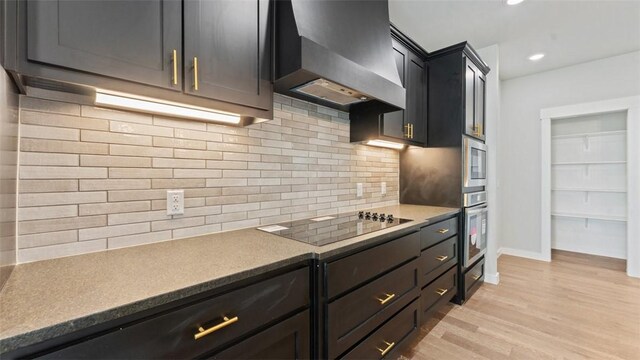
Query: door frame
{"x": 632, "y": 106}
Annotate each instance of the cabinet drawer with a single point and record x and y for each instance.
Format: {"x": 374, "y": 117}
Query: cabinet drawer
{"x": 473, "y": 278}
{"x": 439, "y": 292}
{"x": 172, "y": 335}
{"x": 353, "y": 316}
{"x": 433, "y": 234}
{"x": 287, "y": 340}
{"x": 384, "y": 341}
{"x": 353, "y": 270}
{"x": 436, "y": 259}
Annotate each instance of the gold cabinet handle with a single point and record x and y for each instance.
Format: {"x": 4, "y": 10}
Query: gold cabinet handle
{"x": 476, "y": 277}
{"x": 175, "y": 67}
{"x": 442, "y": 257}
{"x": 411, "y": 130}
{"x": 384, "y": 351}
{"x": 387, "y": 299}
{"x": 195, "y": 73}
{"x": 443, "y": 231}
{"x": 441, "y": 292}
{"x": 408, "y": 134}
{"x": 204, "y": 332}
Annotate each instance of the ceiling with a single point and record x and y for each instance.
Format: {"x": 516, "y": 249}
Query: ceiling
{"x": 568, "y": 32}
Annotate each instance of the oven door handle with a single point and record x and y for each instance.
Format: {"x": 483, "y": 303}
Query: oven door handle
{"x": 473, "y": 211}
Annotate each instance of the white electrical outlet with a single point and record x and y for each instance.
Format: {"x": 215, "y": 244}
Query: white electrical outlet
{"x": 383, "y": 188}
{"x": 175, "y": 202}
{"x": 359, "y": 190}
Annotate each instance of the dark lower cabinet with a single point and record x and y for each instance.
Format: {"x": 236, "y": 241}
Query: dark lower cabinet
{"x": 231, "y": 43}
{"x": 270, "y": 317}
{"x": 129, "y": 40}
{"x": 289, "y": 339}
{"x": 439, "y": 292}
{"x": 361, "y": 298}
{"x": 385, "y": 342}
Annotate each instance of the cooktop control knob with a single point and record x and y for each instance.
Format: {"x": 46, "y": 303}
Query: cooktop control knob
{"x": 367, "y": 215}
{"x": 374, "y": 216}
{"x": 390, "y": 218}
{"x": 382, "y": 217}
{"x": 360, "y": 214}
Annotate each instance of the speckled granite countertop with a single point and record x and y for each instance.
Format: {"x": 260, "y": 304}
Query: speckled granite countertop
{"x": 51, "y": 298}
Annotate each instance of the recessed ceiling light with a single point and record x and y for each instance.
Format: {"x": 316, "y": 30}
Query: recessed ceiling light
{"x": 536, "y": 57}
{"x": 514, "y": 2}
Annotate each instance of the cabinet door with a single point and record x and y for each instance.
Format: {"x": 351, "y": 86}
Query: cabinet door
{"x": 393, "y": 122}
{"x": 480, "y": 105}
{"x": 231, "y": 41}
{"x": 131, "y": 40}
{"x": 470, "y": 89}
{"x": 287, "y": 340}
{"x": 416, "y": 86}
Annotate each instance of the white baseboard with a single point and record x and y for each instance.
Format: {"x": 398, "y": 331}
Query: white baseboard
{"x": 492, "y": 278}
{"x": 524, "y": 254}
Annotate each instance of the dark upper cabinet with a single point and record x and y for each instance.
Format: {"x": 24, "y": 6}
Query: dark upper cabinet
{"x": 474, "y": 100}
{"x": 406, "y": 126}
{"x": 146, "y": 48}
{"x": 130, "y": 40}
{"x": 457, "y": 89}
{"x": 231, "y": 42}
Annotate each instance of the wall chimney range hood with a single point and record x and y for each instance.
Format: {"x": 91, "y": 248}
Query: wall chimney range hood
{"x": 337, "y": 54}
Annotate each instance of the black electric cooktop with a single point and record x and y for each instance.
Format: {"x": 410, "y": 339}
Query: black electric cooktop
{"x": 329, "y": 229}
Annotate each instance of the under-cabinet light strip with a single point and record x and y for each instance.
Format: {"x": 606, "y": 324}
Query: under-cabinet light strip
{"x": 387, "y": 144}
{"x": 132, "y": 102}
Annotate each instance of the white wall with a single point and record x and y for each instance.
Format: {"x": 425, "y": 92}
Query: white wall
{"x": 491, "y": 55}
{"x": 519, "y": 148}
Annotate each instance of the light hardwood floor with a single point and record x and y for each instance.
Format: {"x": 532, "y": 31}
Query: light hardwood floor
{"x": 575, "y": 307}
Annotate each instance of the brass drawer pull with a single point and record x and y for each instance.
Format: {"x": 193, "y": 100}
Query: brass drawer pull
{"x": 442, "y": 257}
{"x": 195, "y": 73}
{"x": 175, "y": 67}
{"x": 441, "y": 292}
{"x": 408, "y": 134}
{"x": 411, "y": 131}
{"x": 476, "y": 277}
{"x": 204, "y": 332}
{"x": 443, "y": 231}
{"x": 384, "y": 351}
{"x": 387, "y": 299}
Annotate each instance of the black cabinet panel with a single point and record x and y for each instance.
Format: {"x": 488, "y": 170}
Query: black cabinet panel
{"x": 353, "y": 316}
{"x": 408, "y": 124}
{"x": 382, "y": 343}
{"x": 474, "y": 101}
{"x": 173, "y": 334}
{"x": 456, "y": 92}
{"x": 437, "y": 259}
{"x": 130, "y": 40}
{"x": 416, "y": 114}
{"x": 288, "y": 340}
{"x": 351, "y": 271}
{"x": 232, "y": 44}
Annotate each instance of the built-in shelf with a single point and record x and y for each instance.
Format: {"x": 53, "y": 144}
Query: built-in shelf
{"x": 588, "y": 163}
{"x": 591, "y": 134}
{"x": 591, "y": 190}
{"x": 590, "y": 216}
